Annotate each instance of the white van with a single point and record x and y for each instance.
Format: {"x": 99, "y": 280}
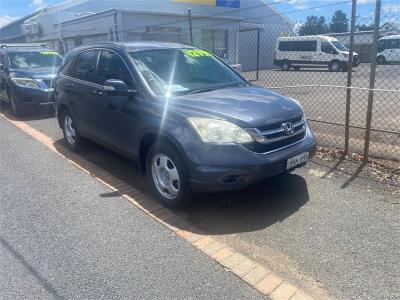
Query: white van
{"x": 388, "y": 49}
{"x": 312, "y": 51}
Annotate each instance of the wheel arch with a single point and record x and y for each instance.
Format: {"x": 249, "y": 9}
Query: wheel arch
{"x": 151, "y": 137}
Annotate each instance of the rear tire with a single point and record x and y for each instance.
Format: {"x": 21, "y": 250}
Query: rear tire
{"x": 167, "y": 175}
{"x": 286, "y": 65}
{"x": 381, "y": 60}
{"x": 74, "y": 141}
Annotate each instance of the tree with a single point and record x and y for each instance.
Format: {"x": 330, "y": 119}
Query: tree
{"x": 339, "y": 22}
{"x": 365, "y": 27}
{"x": 314, "y": 25}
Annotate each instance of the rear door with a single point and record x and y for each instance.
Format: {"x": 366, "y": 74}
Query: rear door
{"x": 87, "y": 101}
{"x": 120, "y": 113}
{"x": 3, "y": 75}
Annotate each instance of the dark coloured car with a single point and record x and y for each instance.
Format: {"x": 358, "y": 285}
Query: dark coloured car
{"x": 26, "y": 75}
{"x": 191, "y": 122}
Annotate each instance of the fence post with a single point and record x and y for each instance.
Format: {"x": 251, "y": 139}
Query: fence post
{"x": 349, "y": 77}
{"x": 258, "y": 53}
{"x": 372, "y": 80}
{"x": 190, "y": 25}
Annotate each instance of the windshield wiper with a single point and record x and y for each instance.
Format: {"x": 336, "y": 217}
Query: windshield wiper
{"x": 202, "y": 90}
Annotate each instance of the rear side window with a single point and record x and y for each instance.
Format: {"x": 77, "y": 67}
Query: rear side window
{"x": 111, "y": 66}
{"x": 68, "y": 68}
{"x": 298, "y": 46}
{"x": 389, "y": 44}
{"x": 85, "y": 66}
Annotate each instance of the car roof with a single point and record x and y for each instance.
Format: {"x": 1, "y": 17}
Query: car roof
{"x": 307, "y": 37}
{"x": 131, "y": 46}
{"x": 391, "y": 37}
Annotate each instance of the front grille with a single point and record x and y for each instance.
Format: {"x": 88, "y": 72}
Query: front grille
{"x": 279, "y": 124}
{"x": 264, "y": 148}
{"x": 273, "y": 138}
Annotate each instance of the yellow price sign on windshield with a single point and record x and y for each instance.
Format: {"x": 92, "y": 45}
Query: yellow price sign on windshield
{"x": 49, "y": 53}
{"x": 196, "y": 52}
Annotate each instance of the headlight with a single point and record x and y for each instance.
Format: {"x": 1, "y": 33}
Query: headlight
{"x": 219, "y": 131}
{"x": 26, "y": 82}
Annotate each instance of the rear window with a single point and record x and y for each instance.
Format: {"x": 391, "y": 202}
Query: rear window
{"x": 298, "y": 46}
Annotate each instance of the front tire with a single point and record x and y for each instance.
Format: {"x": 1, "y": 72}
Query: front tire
{"x": 15, "y": 109}
{"x": 334, "y": 66}
{"x": 74, "y": 141}
{"x": 166, "y": 172}
{"x": 286, "y": 65}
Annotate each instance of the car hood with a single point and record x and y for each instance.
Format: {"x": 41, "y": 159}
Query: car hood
{"x": 246, "y": 106}
{"x": 36, "y": 73}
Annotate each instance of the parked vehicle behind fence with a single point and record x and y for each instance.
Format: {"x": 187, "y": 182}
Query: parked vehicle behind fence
{"x": 312, "y": 52}
{"x": 26, "y": 75}
{"x": 191, "y": 122}
{"x": 388, "y": 49}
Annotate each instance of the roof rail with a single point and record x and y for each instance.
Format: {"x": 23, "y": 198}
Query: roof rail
{"x": 24, "y": 45}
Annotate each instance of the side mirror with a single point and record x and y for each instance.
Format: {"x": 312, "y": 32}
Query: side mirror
{"x": 116, "y": 87}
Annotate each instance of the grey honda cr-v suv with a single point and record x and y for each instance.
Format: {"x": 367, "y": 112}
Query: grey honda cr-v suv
{"x": 191, "y": 122}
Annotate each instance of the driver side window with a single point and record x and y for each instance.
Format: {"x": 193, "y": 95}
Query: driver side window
{"x": 327, "y": 48}
{"x": 111, "y": 66}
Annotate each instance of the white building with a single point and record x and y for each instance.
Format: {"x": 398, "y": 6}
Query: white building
{"x": 229, "y": 28}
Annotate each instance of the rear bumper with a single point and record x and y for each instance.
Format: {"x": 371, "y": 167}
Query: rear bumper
{"x": 236, "y": 168}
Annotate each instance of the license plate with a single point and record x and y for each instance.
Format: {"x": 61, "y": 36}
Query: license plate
{"x": 297, "y": 160}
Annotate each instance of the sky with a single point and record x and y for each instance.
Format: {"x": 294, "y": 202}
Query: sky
{"x": 296, "y": 10}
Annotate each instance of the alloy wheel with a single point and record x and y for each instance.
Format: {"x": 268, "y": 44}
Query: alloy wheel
{"x": 165, "y": 176}
{"x": 69, "y": 130}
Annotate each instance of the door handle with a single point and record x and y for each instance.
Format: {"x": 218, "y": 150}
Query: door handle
{"x": 111, "y": 106}
{"x": 98, "y": 93}
{"x": 68, "y": 84}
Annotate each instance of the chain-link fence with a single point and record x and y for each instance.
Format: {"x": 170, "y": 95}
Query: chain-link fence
{"x": 351, "y": 101}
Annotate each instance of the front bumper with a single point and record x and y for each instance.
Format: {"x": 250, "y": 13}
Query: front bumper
{"x": 223, "y": 168}
{"x": 30, "y": 97}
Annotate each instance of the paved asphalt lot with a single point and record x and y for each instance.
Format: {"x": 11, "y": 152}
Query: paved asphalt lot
{"x": 62, "y": 235}
{"x": 306, "y": 228}
{"x": 328, "y": 104}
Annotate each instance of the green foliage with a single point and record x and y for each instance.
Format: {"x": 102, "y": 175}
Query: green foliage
{"x": 339, "y": 22}
{"x": 314, "y": 25}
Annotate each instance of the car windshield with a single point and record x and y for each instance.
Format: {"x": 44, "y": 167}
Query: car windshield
{"x": 183, "y": 71}
{"x": 34, "y": 59}
{"x": 338, "y": 45}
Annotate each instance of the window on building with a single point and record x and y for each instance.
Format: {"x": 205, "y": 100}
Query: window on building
{"x": 168, "y": 34}
{"x": 85, "y": 66}
{"x": 327, "y": 48}
{"x": 111, "y": 66}
{"x": 78, "y": 41}
{"x": 215, "y": 41}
